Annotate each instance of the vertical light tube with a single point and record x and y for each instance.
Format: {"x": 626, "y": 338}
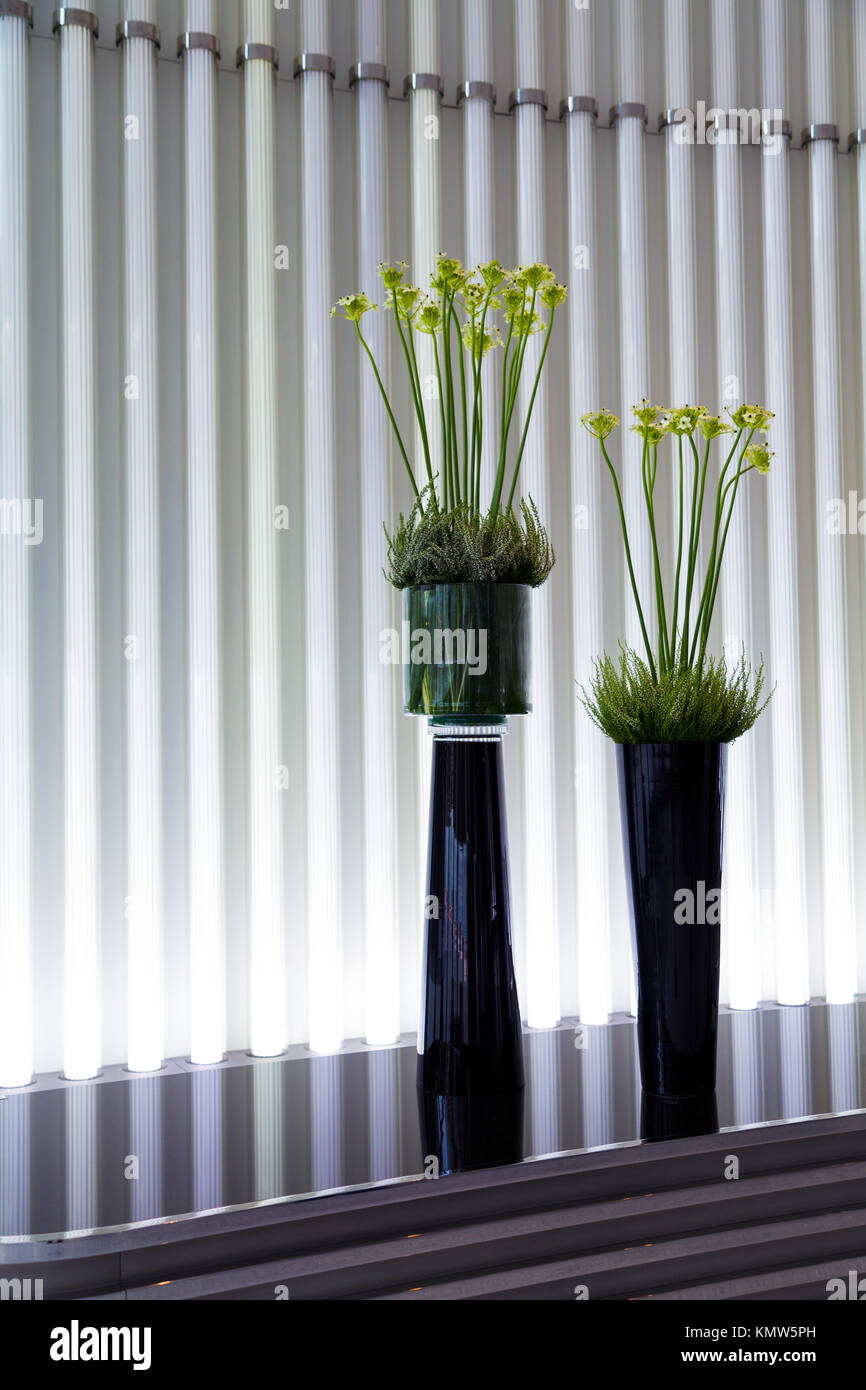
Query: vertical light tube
{"x": 682, "y": 284}
{"x": 857, "y": 151}
{"x": 139, "y": 40}
{"x": 324, "y": 906}
{"x": 832, "y": 654}
{"x": 207, "y": 1026}
{"x": 16, "y": 970}
{"x": 630, "y": 116}
{"x": 794, "y": 1061}
{"x": 741, "y": 821}
{"x": 423, "y": 86}
{"x": 478, "y": 97}
{"x": 591, "y": 847}
{"x": 785, "y": 714}
{"x": 529, "y": 102}
{"x": 370, "y": 79}
{"x": 268, "y": 1014}
{"x": 82, "y": 994}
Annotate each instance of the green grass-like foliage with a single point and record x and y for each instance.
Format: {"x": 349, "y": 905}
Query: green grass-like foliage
{"x": 434, "y": 545}
{"x": 689, "y": 704}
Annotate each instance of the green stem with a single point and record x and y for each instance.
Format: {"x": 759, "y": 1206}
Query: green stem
{"x": 530, "y": 409}
{"x": 622, "y": 522}
{"x": 384, "y": 396}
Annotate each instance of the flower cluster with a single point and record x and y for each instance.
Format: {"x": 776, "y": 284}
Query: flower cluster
{"x": 681, "y": 635}
{"x": 467, "y": 314}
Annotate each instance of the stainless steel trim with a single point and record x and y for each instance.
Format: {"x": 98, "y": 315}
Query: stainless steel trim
{"x": 528, "y": 96}
{"x": 625, "y": 109}
{"x": 136, "y": 29}
{"x": 423, "y": 82}
{"x": 825, "y": 131}
{"x": 314, "y": 62}
{"x": 369, "y": 72}
{"x": 263, "y": 52}
{"x": 66, "y": 17}
{"x": 672, "y": 115}
{"x": 776, "y": 127}
{"x": 569, "y": 105}
{"x": 468, "y": 90}
{"x": 857, "y": 137}
{"x": 16, "y": 9}
{"x": 196, "y": 38}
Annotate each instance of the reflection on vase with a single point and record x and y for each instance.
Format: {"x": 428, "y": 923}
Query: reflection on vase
{"x": 470, "y": 1064}
{"x": 664, "y": 1117}
{"x": 672, "y": 802}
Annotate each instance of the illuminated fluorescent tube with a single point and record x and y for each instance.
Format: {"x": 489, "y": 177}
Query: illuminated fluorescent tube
{"x": 16, "y": 970}
{"x": 423, "y": 86}
{"x": 207, "y": 1027}
{"x": 139, "y": 41}
{"x": 370, "y": 81}
{"x": 82, "y": 986}
{"x": 541, "y": 952}
{"x": 784, "y": 714}
{"x": 477, "y": 97}
{"x": 857, "y": 151}
{"x": 741, "y": 880}
{"x": 629, "y": 113}
{"x": 832, "y": 654}
{"x": 324, "y": 908}
{"x": 591, "y": 843}
{"x": 682, "y": 239}
{"x": 268, "y": 1008}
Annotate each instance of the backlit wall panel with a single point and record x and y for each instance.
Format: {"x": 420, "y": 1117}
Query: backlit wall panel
{"x": 16, "y": 946}
{"x": 83, "y": 986}
{"x": 274, "y": 194}
{"x": 741, "y": 865}
{"x": 142, "y": 639}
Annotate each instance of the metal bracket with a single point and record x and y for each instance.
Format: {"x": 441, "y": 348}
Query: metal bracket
{"x": 528, "y": 96}
{"x": 136, "y": 29}
{"x": 66, "y": 18}
{"x": 196, "y": 38}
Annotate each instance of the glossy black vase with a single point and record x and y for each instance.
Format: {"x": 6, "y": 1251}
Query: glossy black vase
{"x": 470, "y": 1051}
{"x": 672, "y": 803}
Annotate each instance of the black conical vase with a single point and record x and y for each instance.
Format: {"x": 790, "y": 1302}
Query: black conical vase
{"x": 470, "y": 1054}
{"x": 672, "y": 799}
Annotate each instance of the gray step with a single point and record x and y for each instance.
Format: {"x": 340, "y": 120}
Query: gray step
{"x": 621, "y": 1225}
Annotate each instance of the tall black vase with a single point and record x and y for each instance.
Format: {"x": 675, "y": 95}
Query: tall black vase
{"x": 470, "y": 1053}
{"x": 672, "y": 802}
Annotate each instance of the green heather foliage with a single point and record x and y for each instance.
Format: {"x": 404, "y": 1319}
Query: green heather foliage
{"x": 673, "y": 692}
{"x": 689, "y": 704}
{"x": 460, "y": 546}
{"x": 450, "y": 535}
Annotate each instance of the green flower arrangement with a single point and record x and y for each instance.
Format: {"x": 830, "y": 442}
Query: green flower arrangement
{"x": 673, "y": 691}
{"x": 450, "y": 535}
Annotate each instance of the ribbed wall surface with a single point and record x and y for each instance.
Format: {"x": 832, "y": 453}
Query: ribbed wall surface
{"x": 206, "y": 874}
{"x": 176, "y": 633}
{"x": 16, "y": 977}
{"x": 591, "y": 773}
{"x": 540, "y": 951}
{"x": 786, "y": 714}
{"x": 382, "y": 1006}
{"x": 142, "y": 643}
{"x": 82, "y": 1002}
{"x": 324, "y": 904}
{"x": 267, "y": 1018}
{"x": 832, "y": 651}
